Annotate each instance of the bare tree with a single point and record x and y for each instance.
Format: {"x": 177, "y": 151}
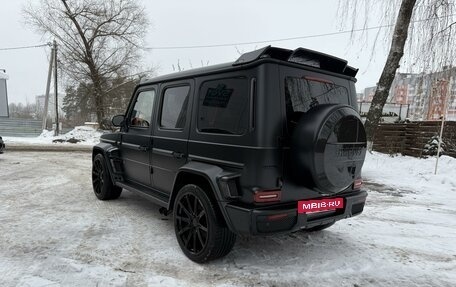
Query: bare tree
{"x": 98, "y": 40}
{"x": 423, "y": 32}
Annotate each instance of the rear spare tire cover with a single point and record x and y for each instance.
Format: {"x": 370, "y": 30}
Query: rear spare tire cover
{"x": 328, "y": 147}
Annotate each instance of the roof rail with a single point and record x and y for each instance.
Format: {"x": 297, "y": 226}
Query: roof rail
{"x": 300, "y": 56}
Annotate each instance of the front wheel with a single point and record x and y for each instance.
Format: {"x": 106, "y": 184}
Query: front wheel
{"x": 200, "y": 230}
{"x": 102, "y": 184}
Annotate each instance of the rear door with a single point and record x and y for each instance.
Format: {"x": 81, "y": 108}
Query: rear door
{"x": 136, "y": 139}
{"x": 170, "y": 143}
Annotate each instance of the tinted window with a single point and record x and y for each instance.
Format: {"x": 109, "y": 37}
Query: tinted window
{"x": 224, "y": 106}
{"x": 304, "y": 93}
{"x": 141, "y": 115}
{"x": 174, "y": 108}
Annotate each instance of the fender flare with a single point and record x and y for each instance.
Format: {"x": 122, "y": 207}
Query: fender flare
{"x": 105, "y": 149}
{"x": 215, "y": 176}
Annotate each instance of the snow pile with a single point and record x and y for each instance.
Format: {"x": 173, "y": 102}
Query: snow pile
{"x": 81, "y": 134}
{"x": 86, "y": 135}
{"x": 413, "y": 174}
{"x": 46, "y": 135}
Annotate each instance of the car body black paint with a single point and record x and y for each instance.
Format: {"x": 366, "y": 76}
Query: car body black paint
{"x": 154, "y": 160}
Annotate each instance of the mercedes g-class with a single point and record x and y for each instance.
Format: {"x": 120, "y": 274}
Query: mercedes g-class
{"x": 271, "y": 143}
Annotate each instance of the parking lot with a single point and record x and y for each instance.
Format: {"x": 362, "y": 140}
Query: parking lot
{"x": 54, "y": 232}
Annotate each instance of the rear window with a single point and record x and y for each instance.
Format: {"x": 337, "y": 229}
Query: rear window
{"x": 302, "y": 94}
{"x": 224, "y": 106}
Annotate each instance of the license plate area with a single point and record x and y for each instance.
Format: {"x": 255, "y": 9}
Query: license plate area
{"x": 319, "y": 205}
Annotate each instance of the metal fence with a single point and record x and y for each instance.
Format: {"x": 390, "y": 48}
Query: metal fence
{"x": 19, "y": 127}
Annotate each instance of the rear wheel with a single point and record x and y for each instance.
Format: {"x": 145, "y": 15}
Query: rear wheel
{"x": 200, "y": 230}
{"x": 102, "y": 184}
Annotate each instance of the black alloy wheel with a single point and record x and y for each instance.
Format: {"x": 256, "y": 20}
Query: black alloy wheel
{"x": 200, "y": 229}
{"x": 192, "y": 223}
{"x": 102, "y": 185}
{"x": 97, "y": 176}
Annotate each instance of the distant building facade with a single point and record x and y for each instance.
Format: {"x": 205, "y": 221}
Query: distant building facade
{"x": 425, "y": 95}
{"x": 40, "y": 102}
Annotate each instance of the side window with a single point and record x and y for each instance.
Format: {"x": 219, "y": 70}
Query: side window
{"x": 141, "y": 116}
{"x": 174, "y": 107}
{"x": 224, "y": 106}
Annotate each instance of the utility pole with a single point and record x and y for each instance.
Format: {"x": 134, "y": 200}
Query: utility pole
{"x": 56, "y": 92}
{"x": 48, "y": 87}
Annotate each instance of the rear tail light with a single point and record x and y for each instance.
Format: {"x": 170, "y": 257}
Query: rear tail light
{"x": 358, "y": 183}
{"x": 267, "y": 195}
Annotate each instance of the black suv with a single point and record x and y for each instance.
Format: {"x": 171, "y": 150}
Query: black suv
{"x": 2, "y": 145}
{"x": 271, "y": 143}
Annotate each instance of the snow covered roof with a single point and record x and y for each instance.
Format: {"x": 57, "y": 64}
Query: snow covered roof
{"x": 3, "y": 75}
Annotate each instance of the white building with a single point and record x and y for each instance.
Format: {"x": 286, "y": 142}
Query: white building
{"x": 40, "y": 102}
{"x": 3, "y": 94}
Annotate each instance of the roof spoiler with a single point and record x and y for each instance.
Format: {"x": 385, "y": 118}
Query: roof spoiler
{"x": 301, "y": 56}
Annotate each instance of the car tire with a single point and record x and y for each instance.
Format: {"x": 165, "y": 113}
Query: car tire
{"x": 200, "y": 229}
{"x": 102, "y": 184}
{"x": 319, "y": 227}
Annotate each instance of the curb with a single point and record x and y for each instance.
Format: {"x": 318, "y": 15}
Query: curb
{"x": 47, "y": 148}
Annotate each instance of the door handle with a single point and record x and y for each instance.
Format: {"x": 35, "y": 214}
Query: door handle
{"x": 178, "y": 154}
{"x": 143, "y": 148}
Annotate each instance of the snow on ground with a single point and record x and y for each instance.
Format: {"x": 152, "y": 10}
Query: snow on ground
{"x": 53, "y": 232}
{"x": 86, "y": 136}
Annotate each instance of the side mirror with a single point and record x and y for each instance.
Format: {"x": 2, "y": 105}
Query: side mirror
{"x": 118, "y": 120}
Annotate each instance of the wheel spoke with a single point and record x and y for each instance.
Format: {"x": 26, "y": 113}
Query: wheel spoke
{"x": 203, "y": 228}
{"x": 189, "y": 215}
{"x": 96, "y": 184}
{"x": 184, "y": 219}
{"x": 200, "y": 238}
{"x": 186, "y": 241}
{"x": 185, "y": 229}
{"x": 194, "y": 241}
{"x": 195, "y": 205}
{"x": 97, "y": 165}
{"x": 201, "y": 214}
{"x": 189, "y": 205}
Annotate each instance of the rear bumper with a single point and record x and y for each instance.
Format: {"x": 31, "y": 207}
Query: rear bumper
{"x": 285, "y": 218}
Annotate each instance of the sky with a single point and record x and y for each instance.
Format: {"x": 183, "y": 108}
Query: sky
{"x": 201, "y": 22}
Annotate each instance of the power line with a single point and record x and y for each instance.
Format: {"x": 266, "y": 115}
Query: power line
{"x": 253, "y": 42}
{"x": 286, "y": 39}
{"x": 24, "y": 47}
